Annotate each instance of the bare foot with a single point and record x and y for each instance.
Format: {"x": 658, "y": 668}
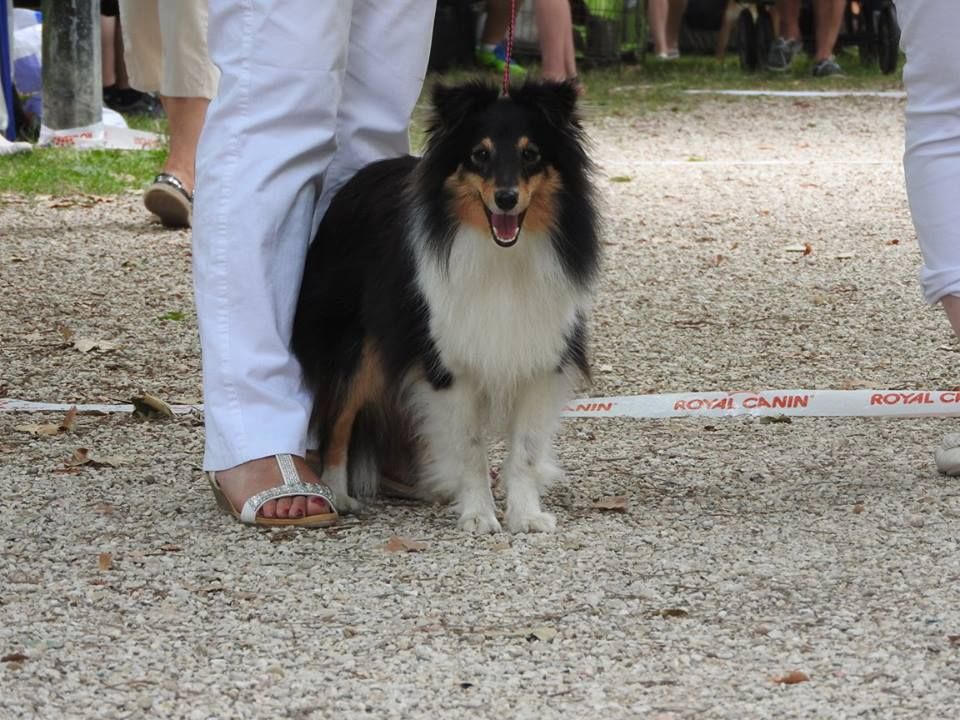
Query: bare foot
{"x": 242, "y": 482}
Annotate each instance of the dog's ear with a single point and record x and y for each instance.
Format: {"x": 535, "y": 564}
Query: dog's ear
{"x": 452, "y": 104}
{"x": 556, "y": 100}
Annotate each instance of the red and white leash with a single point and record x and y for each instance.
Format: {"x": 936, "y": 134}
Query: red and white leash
{"x": 509, "y": 48}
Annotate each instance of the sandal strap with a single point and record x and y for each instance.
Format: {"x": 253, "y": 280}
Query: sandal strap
{"x": 292, "y": 486}
{"x": 175, "y": 182}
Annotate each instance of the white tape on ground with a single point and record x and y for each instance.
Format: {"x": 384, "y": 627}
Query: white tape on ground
{"x": 794, "y": 403}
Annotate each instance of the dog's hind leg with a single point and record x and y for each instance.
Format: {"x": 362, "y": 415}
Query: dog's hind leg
{"x": 529, "y": 467}
{"x": 455, "y": 462}
{"x": 365, "y": 385}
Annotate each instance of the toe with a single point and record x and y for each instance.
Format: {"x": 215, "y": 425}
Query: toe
{"x": 283, "y": 507}
{"x": 317, "y": 506}
{"x": 297, "y": 507}
{"x": 269, "y": 509}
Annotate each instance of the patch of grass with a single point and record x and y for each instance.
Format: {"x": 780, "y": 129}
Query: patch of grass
{"x": 627, "y": 89}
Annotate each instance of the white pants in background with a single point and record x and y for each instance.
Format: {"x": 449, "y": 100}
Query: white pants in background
{"x": 930, "y": 37}
{"x": 310, "y": 92}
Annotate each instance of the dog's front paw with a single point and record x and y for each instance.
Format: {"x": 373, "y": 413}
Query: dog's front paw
{"x": 528, "y": 522}
{"x": 347, "y": 505}
{"x": 479, "y": 523}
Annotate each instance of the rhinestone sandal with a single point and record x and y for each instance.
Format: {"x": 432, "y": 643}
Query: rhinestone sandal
{"x": 168, "y": 199}
{"x": 292, "y": 486}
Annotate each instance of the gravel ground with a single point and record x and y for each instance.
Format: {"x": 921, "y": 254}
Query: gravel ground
{"x": 749, "y": 552}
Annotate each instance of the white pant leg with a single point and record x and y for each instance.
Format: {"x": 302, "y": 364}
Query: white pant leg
{"x": 387, "y": 63}
{"x": 931, "y": 161}
{"x": 268, "y": 137}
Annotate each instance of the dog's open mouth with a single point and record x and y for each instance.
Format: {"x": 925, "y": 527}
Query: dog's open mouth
{"x": 505, "y": 227}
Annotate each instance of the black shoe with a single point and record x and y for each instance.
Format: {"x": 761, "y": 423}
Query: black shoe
{"x": 827, "y": 68}
{"x": 128, "y": 101}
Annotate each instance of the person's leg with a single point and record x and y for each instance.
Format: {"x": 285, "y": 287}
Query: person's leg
{"x": 788, "y": 12}
{"x": 828, "y": 20}
{"x": 142, "y": 49}
{"x": 555, "y": 27}
{"x": 389, "y": 49}
{"x": 931, "y": 160}
{"x": 657, "y": 11}
{"x": 674, "y": 23}
{"x": 269, "y": 136}
{"x": 496, "y": 22}
{"x": 108, "y": 47}
{"x": 189, "y": 81}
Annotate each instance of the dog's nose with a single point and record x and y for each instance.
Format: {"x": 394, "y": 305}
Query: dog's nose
{"x": 506, "y": 199}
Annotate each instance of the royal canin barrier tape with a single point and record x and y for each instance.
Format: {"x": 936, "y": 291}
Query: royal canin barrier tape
{"x": 792, "y": 403}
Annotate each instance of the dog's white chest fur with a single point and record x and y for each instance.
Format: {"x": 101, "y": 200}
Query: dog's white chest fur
{"x": 498, "y": 314}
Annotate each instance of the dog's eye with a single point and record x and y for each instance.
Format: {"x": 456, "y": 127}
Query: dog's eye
{"x": 530, "y": 154}
{"x": 480, "y": 156}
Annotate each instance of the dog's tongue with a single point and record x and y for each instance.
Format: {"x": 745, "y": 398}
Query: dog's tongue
{"x": 505, "y": 226}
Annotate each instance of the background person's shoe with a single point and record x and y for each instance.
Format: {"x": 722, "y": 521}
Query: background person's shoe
{"x": 827, "y": 68}
{"x": 496, "y": 59}
{"x": 782, "y": 52}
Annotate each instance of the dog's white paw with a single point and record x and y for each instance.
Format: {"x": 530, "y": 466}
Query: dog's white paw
{"x": 347, "y": 505}
{"x": 528, "y": 522}
{"x": 479, "y": 523}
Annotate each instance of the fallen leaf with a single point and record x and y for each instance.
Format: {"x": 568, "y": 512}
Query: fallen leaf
{"x": 47, "y": 429}
{"x": 613, "y": 503}
{"x": 954, "y": 639}
{"x": 717, "y": 260}
{"x": 895, "y": 241}
{"x": 674, "y": 613}
{"x": 14, "y": 657}
{"x": 170, "y": 547}
{"x": 775, "y": 419}
{"x": 85, "y": 345}
{"x": 792, "y": 678}
{"x": 65, "y": 332}
{"x": 807, "y": 248}
{"x": 105, "y": 561}
{"x": 103, "y": 508}
{"x": 844, "y": 256}
{"x": 148, "y": 405}
{"x": 82, "y": 456}
{"x": 69, "y": 421}
{"x": 858, "y": 508}
{"x": 402, "y": 544}
{"x": 543, "y": 634}
{"x": 621, "y": 179}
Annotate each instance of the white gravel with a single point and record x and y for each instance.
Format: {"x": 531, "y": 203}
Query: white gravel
{"x": 748, "y": 551}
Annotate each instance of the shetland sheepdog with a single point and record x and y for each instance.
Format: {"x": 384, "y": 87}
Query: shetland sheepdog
{"x": 445, "y": 298}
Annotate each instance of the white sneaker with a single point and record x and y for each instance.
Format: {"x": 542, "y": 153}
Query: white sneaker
{"x": 12, "y": 148}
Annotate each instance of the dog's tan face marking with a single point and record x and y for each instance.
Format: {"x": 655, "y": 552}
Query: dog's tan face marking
{"x": 516, "y": 168}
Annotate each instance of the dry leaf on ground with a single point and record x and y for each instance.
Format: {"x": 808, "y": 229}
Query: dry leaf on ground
{"x": 105, "y": 561}
{"x": 402, "y": 544}
{"x": 85, "y": 345}
{"x": 792, "y": 678}
{"x": 149, "y": 405}
{"x": 613, "y": 503}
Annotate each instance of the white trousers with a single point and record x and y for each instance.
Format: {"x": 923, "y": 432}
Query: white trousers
{"x": 929, "y": 36}
{"x": 310, "y": 92}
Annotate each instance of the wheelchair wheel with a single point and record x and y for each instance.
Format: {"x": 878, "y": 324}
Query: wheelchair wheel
{"x": 888, "y": 39}
{"x": 764, "y": 36}
{"x": 747, "y": 40}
